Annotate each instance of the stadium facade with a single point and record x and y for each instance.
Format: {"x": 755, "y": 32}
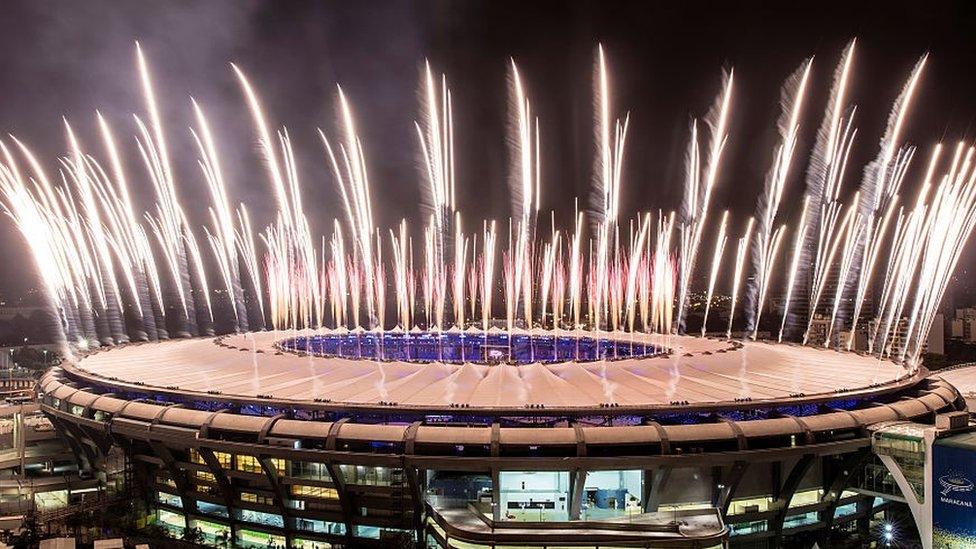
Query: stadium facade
{"x": 258, "y": 442}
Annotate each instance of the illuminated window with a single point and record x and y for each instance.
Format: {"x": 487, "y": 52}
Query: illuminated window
{"x": 608, "y": 494}
{"x": 248, "y": 464}
{"x": 279, "y": 465}
{"x": 806, "y": 497}
{"x": 372, "y": 476}
{"x": 223, "y": 458}
{"x": 749, "y": 505}
{"x": 310, "y": 470}
{"x": 317, "y": 492}
{"x": 534, "y": 496}
{"x": 171, "y": 520}
{"x": 258, "y": 540}
{"x": 259, "y": 517}
{"x": 204, "y": 476}
{"x": 255, "y": 498}
{"x": 213, "y": 532}
{"x": 54, "y": 499}
{"x": 207, "y": 489}
{"x": 169, "y": 499}
{"x": 208, "y": 508}
{"x": 320, "y": 526}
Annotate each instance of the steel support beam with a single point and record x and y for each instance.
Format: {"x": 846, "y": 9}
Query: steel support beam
{"x": 786, "y": 493}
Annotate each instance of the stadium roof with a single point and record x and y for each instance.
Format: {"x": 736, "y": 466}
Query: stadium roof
{"x": 698, "y": 371}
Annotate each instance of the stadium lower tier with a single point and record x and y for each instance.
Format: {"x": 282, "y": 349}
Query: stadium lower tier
{"x": 302, "y": 474}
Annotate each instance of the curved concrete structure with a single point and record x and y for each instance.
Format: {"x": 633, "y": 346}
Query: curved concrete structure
{"x": 303, "y": 450}
{"x": 963, "y": 378}
{"x": 697, "y": 372}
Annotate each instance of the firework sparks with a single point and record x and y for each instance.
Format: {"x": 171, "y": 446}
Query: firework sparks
{"x": 103, "y": 263}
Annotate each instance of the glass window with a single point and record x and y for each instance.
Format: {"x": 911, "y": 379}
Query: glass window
{"x": 749, "y": 505}
{"x": 310, "y": 470}
{"x": 609, "y": 494}
{"x": 251, "y": 497}
{"x": 845, "y": 510}
{"x": 534, "y": 496}
{"x": 800, "y": 520}
{"x": 214, "y": 533}
{"x": 318, "y": 492}
{"x": 259, "y": 517}
{"x": 223, "y": 458}
{"x": 369, "y": 532}
{"x": 251, "y": 539}
{"x": 169, "y": 499}
{"x": 172, "y": 521}
{"x": 320, "y": 526}
{"x": 372, "y": 476}
{"x": 54, "y": 499}
{"x": 207, "y": 489}
{"x": 806, "y": 497}
{"x": 279, "y": 465}
{"x": 249, "y": 464}
{"x": 743, "y": 528}
{"x": 208, "y": 508}
{"x": 206, "y": 476}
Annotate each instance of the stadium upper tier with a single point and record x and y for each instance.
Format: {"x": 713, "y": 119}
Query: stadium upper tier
{"x": 691, "y": 372}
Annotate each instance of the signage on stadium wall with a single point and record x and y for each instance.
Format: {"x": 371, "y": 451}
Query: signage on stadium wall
{"x": 953, "y": 496}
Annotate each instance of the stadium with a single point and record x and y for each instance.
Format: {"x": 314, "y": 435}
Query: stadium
{"x": 534, "y": 439}
{"x": 554, "y": 397}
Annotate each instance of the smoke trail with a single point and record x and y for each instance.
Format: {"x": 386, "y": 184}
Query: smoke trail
{"x": 698, "y": 189}
{"x": 436, "y": 137}
{"x": 128, "y": 237}
{"x": 879, "y": 190}
{"x": 720, "y": 241}
{"x": 222, "y": 239}
{"x": 108, "y": 290}
{"x": 168, "y": 224}
{"x": 825, "y": 173}
{"x": 740, "y": 261}
{"x": 764, "y": 251}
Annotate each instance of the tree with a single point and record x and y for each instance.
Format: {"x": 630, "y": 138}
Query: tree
{"x": 33, "y": 358}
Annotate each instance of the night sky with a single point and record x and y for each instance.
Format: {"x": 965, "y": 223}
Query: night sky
{"x": 70, "y": 58}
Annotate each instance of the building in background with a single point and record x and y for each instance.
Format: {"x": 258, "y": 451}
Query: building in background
{"x": 38, "y": 470}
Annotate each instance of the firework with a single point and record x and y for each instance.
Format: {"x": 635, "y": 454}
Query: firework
{"x": 720, "y": 240}
{"x": 740, "y": 260}
{"x": 109, "y": 270}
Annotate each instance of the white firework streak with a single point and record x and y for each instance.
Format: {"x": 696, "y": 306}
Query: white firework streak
{"x": 740, "y": 261}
